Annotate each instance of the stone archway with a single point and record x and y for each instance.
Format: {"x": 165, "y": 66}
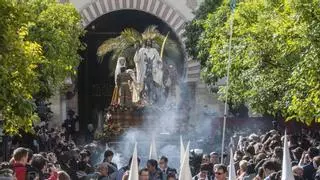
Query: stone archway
{"x": 155, "y": 7}
{"x": 158, "y": 8}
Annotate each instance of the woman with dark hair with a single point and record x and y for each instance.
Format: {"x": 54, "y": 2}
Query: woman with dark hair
{"x": 113, "y": 169}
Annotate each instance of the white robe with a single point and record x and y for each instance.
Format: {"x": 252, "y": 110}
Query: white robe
{"x": 121, "y": 62}
{"x": 133, "y": 86}
{"x": 140, "y": 65}
{"x": 157, "y": 71}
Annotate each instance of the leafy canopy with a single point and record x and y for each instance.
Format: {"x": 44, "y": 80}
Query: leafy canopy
{"x": 39, "y": 46}
{"x": 275, "y": 56}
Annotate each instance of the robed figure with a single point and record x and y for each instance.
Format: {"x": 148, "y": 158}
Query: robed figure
{"x": 121, "y": 62}
{"x": 124, "y": 80}
{"x": 149, "y": 70}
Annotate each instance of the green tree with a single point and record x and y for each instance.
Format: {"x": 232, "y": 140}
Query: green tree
{"x": 195, "y": 31}
{"x": 275, "y": 56}
{"x": 18, "y": 61}
{"x": 57, "y": 29}
{"x": 39, "y": 42}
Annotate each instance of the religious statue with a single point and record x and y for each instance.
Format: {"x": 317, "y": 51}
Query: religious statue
{"x": 171, "y": 81}
{"x": 140, "y": 66}
{"x": 149, "y": 81}
{"x": 147, "y": 84}
{"x": 149, "y": 71}
{"x": 124, "y": 80}
{"x": 121, "y": 62}
{"x": 133, "y": 86}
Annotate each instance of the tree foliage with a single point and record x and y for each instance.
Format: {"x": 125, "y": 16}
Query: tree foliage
{"x": 39, "y": 46}
{"x": 195, "y": 28}
{"x": 275, "y": 56}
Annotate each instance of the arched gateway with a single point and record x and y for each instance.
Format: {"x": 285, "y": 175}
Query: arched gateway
{"x": 97, "y": 17}
{"x": 159, "y": 8}
{"x": 155, "y": 7}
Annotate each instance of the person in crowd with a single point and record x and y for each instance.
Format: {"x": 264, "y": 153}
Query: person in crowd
{"x": 85, "y": 159}
{"x": 81, "y": 172}
{"x": 101, "y": 173}
{"x": 237, "y": 157}
{"x": 220, "y": 172}
{"x": 39, "y": 165}
{"x": 205, "y": 159}
{"x": 297, "y": 172}
{"x": 203, "y": 174}
{"x": 144, "y": 174}
{"x": 154, "y": 172}
{"x": 90, "y": 133}
{"x": 296, "y": 155}
{"x": 62, "y": 175}
{"x": 242, "y": 172}
{"x": 163, "y": 165}
{"x": 122, "y": 171}
{"x": 113, "y": 169}
{"x": 171, "y": 177}
{"x": 69, "y": 124}
{"x": 31, "y": 172}
{"x": 250, "y": 174}
{"x": 20, "y": 160}
{"x": 310, "y": 169}
{"x": 6, "y": 173}
{"x": 214, "y": 158}
{"x": 269, "y": 167}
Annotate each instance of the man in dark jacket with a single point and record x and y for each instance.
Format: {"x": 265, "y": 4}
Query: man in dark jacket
{"x": 154, "y": 172}
{"x": 166, "y": 170}
{"x": 309, "y": 170}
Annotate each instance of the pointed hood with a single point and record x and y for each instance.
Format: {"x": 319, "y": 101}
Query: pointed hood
{"x": 153, "y": 149}
{"x": 134, "y": 169}
{"x": 182, "y": 151}
{"x": 286, "y": 161}
{"x": 240, "y": 143}
{"x": 185, "y": 172}
{"x": 232, "y": 170}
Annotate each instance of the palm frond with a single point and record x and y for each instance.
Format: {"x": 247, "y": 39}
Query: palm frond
{"x": 131, "y": 36}
{"x": 163, "y": 44}
{"x": 150, "y": 33}
{"x": 108, "y": 46}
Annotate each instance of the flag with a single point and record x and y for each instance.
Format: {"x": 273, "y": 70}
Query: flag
{"x": 286, "y": 161}
{"x": 185, "y": 172}
{"x": 134, "y": 169}
{"x": 182, "y": 150}
{"x": 153, "y": 149}
{"x": 232, "y": 170}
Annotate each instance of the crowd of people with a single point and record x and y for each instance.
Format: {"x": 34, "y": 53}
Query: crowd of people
{"x": 56, "y": 156}
{"x": 260, "y": 157}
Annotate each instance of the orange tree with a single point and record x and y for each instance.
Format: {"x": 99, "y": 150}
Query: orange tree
{"x": 39, "y": 46}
